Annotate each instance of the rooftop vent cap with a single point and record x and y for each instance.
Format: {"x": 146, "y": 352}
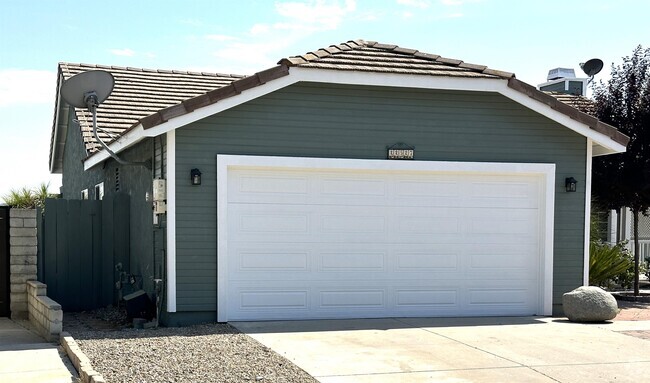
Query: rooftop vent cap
{"x": 558, "y": 73}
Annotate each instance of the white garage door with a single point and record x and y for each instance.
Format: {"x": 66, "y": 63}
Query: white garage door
{"x": 304, "y": 243}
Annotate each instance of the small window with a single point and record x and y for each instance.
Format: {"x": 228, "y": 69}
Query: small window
{"x": 99, "y": 191}
{"x": 84, "y": 194}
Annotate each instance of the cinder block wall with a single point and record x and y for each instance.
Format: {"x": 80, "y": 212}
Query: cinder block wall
{"x": 22, "y": 258}
{"x": 44, "y": 313}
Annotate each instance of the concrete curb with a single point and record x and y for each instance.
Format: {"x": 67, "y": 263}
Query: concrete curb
{"x": 80, "y": 361}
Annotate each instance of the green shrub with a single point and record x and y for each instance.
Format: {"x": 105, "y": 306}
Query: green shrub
{"x": 609, "y": 264}
{"x": 26, "y": 198}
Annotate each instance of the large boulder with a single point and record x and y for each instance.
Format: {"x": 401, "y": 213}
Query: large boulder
{"x": 589, "y": 304}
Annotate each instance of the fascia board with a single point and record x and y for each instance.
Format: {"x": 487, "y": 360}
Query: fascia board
{"x": 360, "y": 78}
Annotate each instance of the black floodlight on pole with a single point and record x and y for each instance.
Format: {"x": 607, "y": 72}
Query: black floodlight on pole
{"x": 88, "y": 90}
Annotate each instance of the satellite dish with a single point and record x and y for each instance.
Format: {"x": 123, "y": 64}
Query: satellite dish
{"x": 88, "y": 90}
{"x": 93, "y": 86}
{"x": 592, "y": 67}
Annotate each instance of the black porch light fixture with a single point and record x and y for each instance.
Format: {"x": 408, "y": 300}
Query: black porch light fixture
{"x": 571, "y": 184}
{"x": 195, "y": 176}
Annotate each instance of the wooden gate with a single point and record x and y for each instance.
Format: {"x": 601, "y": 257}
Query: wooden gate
{"x": 82, "y": 241}
{"x": 4, "y": 261}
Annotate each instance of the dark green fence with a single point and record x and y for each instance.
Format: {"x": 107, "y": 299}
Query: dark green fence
{"x": 4, "y": 261}
{"x": 80, "y": 243}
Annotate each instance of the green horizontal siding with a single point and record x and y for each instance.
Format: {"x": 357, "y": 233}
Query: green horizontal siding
{"x": 332, "y": 121}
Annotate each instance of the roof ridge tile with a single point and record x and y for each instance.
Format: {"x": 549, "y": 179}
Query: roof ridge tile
{"x": 321, "y": 53}
{"x": 428, "y": 56}
{"x": 407, "y": 51}
{"x": 384, "y": 46}
{"x": 332, "y": 49}
{"x": 499, "y": 73}
{"x": 446, "y": 60}
{"x": 353, "y": 44}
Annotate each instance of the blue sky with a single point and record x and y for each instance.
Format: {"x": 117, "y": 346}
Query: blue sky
{"x": 524, "y": 37}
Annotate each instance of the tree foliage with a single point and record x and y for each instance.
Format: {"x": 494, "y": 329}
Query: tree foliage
{"x": 624, "y": 101}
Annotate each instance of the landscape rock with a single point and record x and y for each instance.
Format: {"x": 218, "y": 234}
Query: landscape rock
{"x": 589, "y": 304}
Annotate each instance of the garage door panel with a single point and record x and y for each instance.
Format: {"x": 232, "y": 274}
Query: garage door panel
{"x": 436, "y": 224}
{"x": 273, "y": 261}
{"x": 250, "y": 299}
{"x": 352, "y": 261}
{"x": 492, "y": 262}
{"x": 430, "y": 261}
{"x": 351, "y": 223}
{"x": 309, "y": 243}
{"x": 486, "y": 296}
{"x": 503, "y": 195}
{"x": 271, "y": 222}
{"x": 426, "y": 298}
{"x": 352, "y": 186}
{"x": 255, "y": 186}
{"x": 352, "y": 298}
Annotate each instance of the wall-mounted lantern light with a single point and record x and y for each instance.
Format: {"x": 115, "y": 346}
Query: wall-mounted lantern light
{"x": 571, "y": 184}
{"x": 195, "y": 176}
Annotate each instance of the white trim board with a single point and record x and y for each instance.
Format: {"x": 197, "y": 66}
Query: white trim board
{"x": 545, "y": 171}
{"x": 588, "y": 167}
{"x": 361, "y": 78}
{"x": 171, "y": 221}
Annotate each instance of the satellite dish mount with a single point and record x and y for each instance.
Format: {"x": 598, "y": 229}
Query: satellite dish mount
{"x": 88, "y": 90}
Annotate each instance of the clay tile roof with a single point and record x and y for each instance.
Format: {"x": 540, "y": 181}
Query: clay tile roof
{"x": 149, "y": 97}
{"x": 581, "y": 103}
{"x": 138, "y": 93}
{"x": 371, "y": 56}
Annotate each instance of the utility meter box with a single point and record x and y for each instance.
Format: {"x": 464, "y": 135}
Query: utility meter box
{"x": 159, "y": 207}
{"x": 159, "y": 190}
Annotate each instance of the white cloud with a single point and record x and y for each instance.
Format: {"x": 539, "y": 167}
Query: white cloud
{"x": 248, "y": 58}
{"x": 24, "y": 86}
{"x": 123, "y": 52}
{"x": 220, "y": 38}
{"x": 370, "y": 16}
{"x": 318, "y": 15}
{"x": 415, "y": 3}
{"x": 266, "y": 42}
{"x": 457, "y": 2}
{"x": 259, "y": 29}
{"x": 407, "y": 15}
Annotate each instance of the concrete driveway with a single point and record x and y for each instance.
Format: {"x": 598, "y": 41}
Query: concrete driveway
{"x": 26, "y": 358}
{"x": 531, "y": 349}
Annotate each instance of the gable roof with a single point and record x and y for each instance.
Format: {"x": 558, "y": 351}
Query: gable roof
{"x": 137, "y": 93}
{"x": 177, "y": 93}
{"x": 371, "y": 56}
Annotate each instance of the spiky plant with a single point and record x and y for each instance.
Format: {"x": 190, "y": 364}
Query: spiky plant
{"x": 607, "y": 262}
{"x": 26, "y": 198}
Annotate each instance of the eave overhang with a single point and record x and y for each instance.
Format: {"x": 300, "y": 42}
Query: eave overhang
{"x": 606, "y": 138}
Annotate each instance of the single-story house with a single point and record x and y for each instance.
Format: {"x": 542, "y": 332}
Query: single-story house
{"x": 360, "y": 180}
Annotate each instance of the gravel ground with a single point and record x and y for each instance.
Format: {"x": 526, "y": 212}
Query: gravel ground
{"x": 202, "y": 353}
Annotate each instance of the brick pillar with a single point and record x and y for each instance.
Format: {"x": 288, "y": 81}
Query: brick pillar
{"x": 22, "y": 258}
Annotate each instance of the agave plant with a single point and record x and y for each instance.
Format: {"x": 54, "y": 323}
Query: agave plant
{"x": 26, "y": 198}
{"x": 607, "y": 262}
